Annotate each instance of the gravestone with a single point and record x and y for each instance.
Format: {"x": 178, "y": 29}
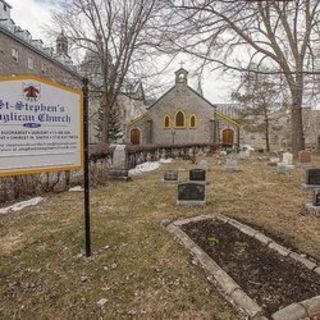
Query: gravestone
{"x": 286, "y": 165}
{"x": 119, "y": 169}
{"x": 304, "y": 156}
{"x": 314, "y": 206}
{"x": 192, "y": 194}
{"x": 313, "y": 183}
{"x": 243, "y": 154}
{"x": 283, "y": 168}
{"x": 316, "y": 198}
{"x": 313, "y": 177}
{"x": 197, "y": 175}
{"x": 231, "y": 165}
{"x": 119, "y": 160}
{"x": 203, "y": 165}
{"x": 287, "y": 158}
{"x": 171, "y": 176}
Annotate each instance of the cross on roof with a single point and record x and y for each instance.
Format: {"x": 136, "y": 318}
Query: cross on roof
{"x": 182, "y": 63}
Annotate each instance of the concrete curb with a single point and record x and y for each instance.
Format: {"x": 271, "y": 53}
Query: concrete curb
{"x": 229, "y": 288}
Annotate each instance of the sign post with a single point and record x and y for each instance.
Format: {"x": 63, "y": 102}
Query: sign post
{"x": 86, "y": 169}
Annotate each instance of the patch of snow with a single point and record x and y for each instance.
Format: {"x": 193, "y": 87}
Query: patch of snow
{"x": 76, "y": 189}
{"x": 170, "y": 160}
{"x": 246, "y": 147}
{"x": 144, "y": 167}
{"x": 21, "y": 205}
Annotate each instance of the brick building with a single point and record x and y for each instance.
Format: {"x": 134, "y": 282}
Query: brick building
{"x": 23, "y": 55}
{"x": 182, "y": 116}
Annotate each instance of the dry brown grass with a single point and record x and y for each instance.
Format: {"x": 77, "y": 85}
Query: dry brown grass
{"x": 144, "y": 274}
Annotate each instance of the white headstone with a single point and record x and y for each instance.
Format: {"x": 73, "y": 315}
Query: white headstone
{"x": 287, "y": 158}
{"x": 120, "y": 157}
{"x": 203, "y": 165}
{"x": 243, "y": 154}
{"x": 231, "y": 165}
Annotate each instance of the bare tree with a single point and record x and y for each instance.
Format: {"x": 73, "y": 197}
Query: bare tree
{"x": 112, "y": 35}
{"x": 258, "y": 98}
{"x": 245, "y": 35}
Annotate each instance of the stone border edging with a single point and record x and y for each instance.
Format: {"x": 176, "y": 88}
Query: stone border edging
{"x": 230, "y": 289}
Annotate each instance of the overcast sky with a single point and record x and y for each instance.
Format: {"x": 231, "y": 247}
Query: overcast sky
{"x": 34, "y": 14}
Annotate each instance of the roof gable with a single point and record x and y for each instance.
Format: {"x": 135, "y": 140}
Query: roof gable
{"x": 190, "y": 89}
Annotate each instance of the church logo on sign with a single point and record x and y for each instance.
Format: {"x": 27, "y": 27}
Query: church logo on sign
{"x": 31, "y": 92}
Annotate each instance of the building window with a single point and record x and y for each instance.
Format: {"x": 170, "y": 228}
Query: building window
{"x": 193, "y": 121}
{"x": 30, "y": 63}
{"x": 167, "y": 121}
{"x": 180, "y": 120}
{"x": 15, "y": 54}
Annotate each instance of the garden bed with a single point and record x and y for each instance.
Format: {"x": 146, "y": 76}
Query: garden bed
{"x": 272, "y": 280}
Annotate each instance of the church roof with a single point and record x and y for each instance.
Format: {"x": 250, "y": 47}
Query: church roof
{"x": 181, "y": 69}
{"x": 191, "y": 89}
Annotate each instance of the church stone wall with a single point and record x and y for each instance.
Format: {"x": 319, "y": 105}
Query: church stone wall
{"x": 181, "y": 97}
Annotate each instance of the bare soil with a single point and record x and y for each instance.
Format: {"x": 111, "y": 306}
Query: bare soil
{"x": 272, "y": 280}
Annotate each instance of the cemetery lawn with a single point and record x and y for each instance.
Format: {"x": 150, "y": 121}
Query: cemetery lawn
{"x": 137, "y": 266}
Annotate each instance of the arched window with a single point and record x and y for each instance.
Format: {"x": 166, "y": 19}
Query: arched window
{"x": 193, "y": 121}
{"x": 180, "y": 120}
{"x": 166, "y": 121}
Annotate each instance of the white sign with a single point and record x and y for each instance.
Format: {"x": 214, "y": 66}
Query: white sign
{"x": 40, "y": 126}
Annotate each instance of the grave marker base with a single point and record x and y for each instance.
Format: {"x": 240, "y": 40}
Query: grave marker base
{"x": 312, "y": 209}
{"x": 191, "y": 203}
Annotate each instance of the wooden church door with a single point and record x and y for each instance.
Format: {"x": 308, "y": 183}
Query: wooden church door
{"x": 227, "y": 136}
{"x": 135, "y": 136}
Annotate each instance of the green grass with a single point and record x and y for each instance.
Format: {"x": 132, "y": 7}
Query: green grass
{"x": 144, "y": 273}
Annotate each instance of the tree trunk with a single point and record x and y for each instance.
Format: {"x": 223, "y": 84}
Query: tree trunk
{"x": 105, "y": 120}
{"x": 266, "y": 121}
{"x": 267, "y": 134}
{"x": 297, "y": 136}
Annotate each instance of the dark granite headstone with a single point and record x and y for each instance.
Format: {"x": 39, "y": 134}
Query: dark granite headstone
{"x": 316, "y": 199}
{"x": 197, "y": 175}
{"x": 170, "y": 175}
{"x": 313, "y": 177}
{"x": 191, "y": 191}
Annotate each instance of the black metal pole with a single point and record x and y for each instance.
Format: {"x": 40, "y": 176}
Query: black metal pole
{"x": 86, "y": 168}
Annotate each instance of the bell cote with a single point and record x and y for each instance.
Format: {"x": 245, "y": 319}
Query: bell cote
{"x": 181, "y": 76}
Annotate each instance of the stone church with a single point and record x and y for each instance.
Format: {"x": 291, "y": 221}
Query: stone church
{"x": 183, "y": 116}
